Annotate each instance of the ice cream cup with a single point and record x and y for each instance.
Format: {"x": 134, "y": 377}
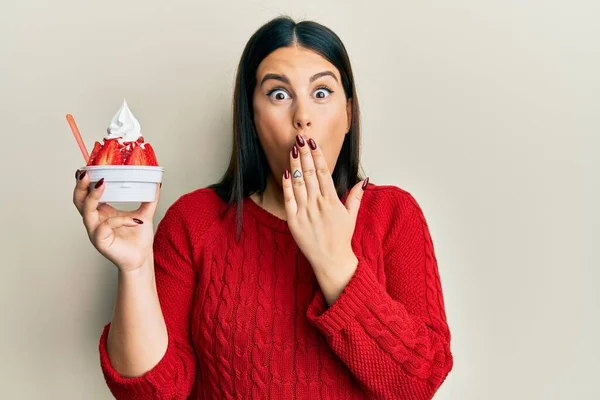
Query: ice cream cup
{"x": 126, "y": 183}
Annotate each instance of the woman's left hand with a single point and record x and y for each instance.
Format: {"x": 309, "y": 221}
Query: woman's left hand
{"x": 320, "y": 223}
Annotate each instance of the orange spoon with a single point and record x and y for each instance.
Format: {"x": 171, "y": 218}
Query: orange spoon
{"x": 78, "y": 138}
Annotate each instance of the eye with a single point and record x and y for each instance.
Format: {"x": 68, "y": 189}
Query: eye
{"x": 323, "y": 92}
{"x": 278, "y": 94}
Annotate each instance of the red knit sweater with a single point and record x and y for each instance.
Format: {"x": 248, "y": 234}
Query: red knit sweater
{"x": 247, "y": 319}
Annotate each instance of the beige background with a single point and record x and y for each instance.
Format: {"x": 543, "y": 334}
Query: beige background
{"x": 487, "y": 112}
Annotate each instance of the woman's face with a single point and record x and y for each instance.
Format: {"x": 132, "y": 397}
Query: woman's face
{"x": 298, "y": 92}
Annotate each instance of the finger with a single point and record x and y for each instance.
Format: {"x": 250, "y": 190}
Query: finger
{"x": 291, "y": 207}
{"x": 297, "y": 177}
{"x": 355, "y": 197}
{"x": 104, "y": 233}
{"x": 90, "y": 205}
{"x": 147, "y": 209}
{"x": 109, "y": 211}
{"x": 325, "y": 179}
{"x": 80, "y": 191}
{"x": 308, "y": 169}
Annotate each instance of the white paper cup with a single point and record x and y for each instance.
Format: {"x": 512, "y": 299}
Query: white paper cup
{"x": 126, "y": 183}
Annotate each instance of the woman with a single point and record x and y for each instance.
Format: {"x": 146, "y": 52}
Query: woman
{"x": 290, "y": 278}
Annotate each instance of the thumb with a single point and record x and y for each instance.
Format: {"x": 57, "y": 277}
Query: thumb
{"x": 355, "y": 197}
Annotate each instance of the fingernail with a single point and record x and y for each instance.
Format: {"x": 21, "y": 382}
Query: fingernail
{"x": 295, "y": 152}
{"x": 82, "y": 175}
{"x": 365, "y": 184}
{"x": 138, "y": 221}
{"x": 312, "y": 144}
{"x": 300, "y": 140}
{"x": 161, "y": 184}
{"x": 286, "y": 174}
{"x": 99, "y": 183}
{"x": 77, "y": 174}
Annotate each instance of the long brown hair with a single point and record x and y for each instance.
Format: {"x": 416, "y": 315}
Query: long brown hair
{"x": 248, "y": 168}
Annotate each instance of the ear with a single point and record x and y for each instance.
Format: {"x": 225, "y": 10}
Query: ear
{"x": 349, "y": 112}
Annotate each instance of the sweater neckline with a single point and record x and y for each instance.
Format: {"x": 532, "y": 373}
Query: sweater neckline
{"x": 265, "y": 217}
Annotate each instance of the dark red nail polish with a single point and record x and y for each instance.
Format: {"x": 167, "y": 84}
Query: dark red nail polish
{"x": 312, "y": 144}
{"x": 99, "y": 183}
{"x": 295, "y": 152}
{"x": 82, "y": 175}
{"x": 138, "y": 221}
{"x": 77, "y": 174}
{"x": 365, "y": 184}
{"x": 161, "y": 184}
{"x": 300, "y": 140}
{"x": 286, "y": 174}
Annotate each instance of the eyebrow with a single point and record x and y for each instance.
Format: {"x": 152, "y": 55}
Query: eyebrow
{"x": 284, "y": 79}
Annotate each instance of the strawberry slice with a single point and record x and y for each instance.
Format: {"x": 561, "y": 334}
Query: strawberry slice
{"x": 126, "y": 151}
{"x": 142, "y": 156}
{"x": 97, "y": 147}
{"x": 150, "y": 155}
{"x": 137, "y": 157}
{"x": 109, "y": 154}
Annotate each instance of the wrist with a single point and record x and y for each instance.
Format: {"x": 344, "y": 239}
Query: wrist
{"x": 334, "y": 278}
{"x": 348, "y": 262}
{"x": 146, "y": 270}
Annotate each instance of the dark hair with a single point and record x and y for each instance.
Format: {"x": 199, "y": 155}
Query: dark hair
{"x": 248, "y": 168}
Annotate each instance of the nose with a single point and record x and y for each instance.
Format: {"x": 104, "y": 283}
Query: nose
{"x": 301, "y": 124}
{"x": 302, "y": 118}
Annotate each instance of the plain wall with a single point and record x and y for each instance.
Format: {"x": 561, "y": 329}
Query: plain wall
{"x": 487, "y": 112}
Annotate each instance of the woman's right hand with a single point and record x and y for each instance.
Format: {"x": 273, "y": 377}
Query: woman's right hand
{"x": 123, "y": 237}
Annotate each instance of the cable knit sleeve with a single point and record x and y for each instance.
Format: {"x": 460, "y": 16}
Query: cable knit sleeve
{"x": 173, "y": 376}
{"x": 392, "y": 335}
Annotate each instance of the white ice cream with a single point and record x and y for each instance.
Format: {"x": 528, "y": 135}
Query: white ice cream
{"x": 124, "y": 126}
